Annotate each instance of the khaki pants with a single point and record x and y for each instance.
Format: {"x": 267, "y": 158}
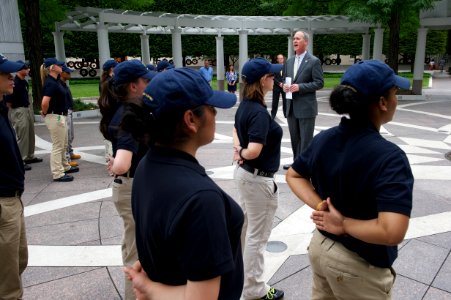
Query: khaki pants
{"x": 70, "y": 133}
{"x": 122, "y": 198}
{"x": 22, "y": 120}
{"x": 339, "y": 273}
{"x": 13, "y": 248}
{"x": 58, "y": 132}
{"x": 258, "y": 198}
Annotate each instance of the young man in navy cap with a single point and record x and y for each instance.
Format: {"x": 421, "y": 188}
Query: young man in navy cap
{"x": 22, "y": 117}
{"x": 13, "y": 241}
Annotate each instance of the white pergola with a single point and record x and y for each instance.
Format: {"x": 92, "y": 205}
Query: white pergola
{"x": 438, "y": 18}
{"x": 104, "y": 21}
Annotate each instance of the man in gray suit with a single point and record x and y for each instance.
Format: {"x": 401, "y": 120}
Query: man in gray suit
{"x": 307, "y": 77}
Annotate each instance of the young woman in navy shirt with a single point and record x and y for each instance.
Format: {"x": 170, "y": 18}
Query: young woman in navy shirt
{"x": 360, "y": 186}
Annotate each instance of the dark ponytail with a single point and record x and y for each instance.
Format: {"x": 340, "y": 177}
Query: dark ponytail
{"x": 108, "y": 105}
{"x": 137, "y": 120}
{"x": 345, "y": 99}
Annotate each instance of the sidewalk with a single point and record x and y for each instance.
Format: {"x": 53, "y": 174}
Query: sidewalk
{"x": 74, "y": 232}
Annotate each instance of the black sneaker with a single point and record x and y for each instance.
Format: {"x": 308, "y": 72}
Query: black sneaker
{"x": 273, "y": 294}
{"x": 72, "y": 170}
{"x": 26, "y": 167}
{"x": 64, "y": 178}
{"x": 33, "y": 160}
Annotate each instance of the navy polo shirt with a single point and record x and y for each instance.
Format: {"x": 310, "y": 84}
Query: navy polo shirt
{"x": 363, "y": 174}
{"x": 254, "y": 125}
{"x": 187, "y": 228}
{"x": 19, "y": 97}
{"x": 12, "y": 173}
{"x": 55, "y": 90}
{"x": 121, "y": 139}
{"x": 68, "y": 96}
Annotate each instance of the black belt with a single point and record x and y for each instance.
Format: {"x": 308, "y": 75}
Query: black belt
{"x": 58, "y": 113}
{"x": 259, "y": 172}
{"x": 9, "y": 194}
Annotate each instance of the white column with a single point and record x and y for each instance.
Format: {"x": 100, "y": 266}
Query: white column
{"x": 243, "y": 56}
{"x": 59, "y": 45}
{"x": 177, "y": 47}
{"x": 290, "y": 47}
{"x": 145, "y": 52}
{"x": 418, "y": 68}
{"x": 220, "y": 62}
{"x": 365, "y": 46}
{"x": 310, "y": 42}
{"x": 104, "y": 44}
{"x": 378, "y": 43}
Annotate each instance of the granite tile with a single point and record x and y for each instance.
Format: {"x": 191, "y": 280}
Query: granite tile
{"x": 293, "y": 265}
{"x": 443, "y": 279}
{"x": 420, "y": 261}
{"x": 37, "y": 275}
{"x": 71, "y": 233}
{"x": 96, "y": 284}
{"x": 436, "y": 294}
{"x": 408, "y": 289}
{"x": 297, "y": 286}
{"x": 79, "y": 212}
{"x": 110, "y": 227}
{"x": 440, "y": 239}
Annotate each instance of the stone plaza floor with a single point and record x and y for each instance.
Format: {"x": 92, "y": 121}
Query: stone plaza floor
{"x": 74, "y": 231}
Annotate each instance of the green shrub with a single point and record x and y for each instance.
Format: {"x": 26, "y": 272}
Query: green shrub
{"x": 79, "y": 106}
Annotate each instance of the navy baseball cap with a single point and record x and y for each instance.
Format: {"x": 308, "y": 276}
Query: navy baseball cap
{"x": 150, "y": 67}
{"x": 111, "y": 63}
{"x": 164, "y": 64}
{"x": 373, "y": 77}
{"x": 130, "y": 70}
{"x": 25, "y": 65}
{"x": 183, "y": 89}
{"x": 66, "y": 69}
{"x": 52, "y": 61}
{"x": 256, "y": 68}
{"x": 7, "y": 66}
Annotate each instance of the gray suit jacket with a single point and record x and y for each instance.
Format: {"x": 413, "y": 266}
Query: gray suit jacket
{"x": 310, "y": 79}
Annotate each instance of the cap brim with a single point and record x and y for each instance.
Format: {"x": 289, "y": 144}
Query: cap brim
{"x": 11, "y": 66}
{"x": 402, "y": 82}
{"x": 275, "y": 68}
{"x": 149, "y": 75}
{"x": 59, "y": 63}
{"x": 221, "y": 99}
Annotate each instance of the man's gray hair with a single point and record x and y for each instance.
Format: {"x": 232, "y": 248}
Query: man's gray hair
{"x": 304, "y": 34}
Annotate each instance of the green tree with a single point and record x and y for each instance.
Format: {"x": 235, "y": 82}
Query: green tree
{"x": 390, "y": 13}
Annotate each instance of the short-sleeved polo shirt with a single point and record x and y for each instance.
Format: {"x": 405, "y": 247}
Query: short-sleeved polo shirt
{"x": 363, "y": 174}
{"x": 19, "y": 97}
{"x": 55, "y": 90}
{"x": 254, "y": 124}
{"x": 187, "y": 228}
{"x": 12, "y": 174}
{"x": 124, "y": 140}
